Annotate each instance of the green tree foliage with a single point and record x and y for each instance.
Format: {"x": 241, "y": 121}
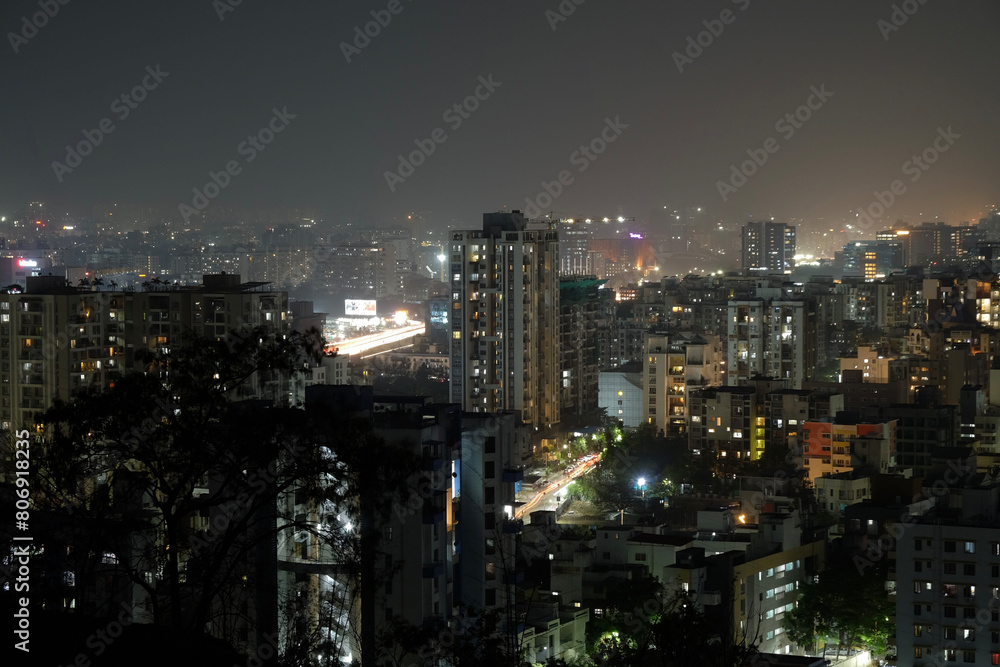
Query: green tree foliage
{"x": 844, "y": 607}
{"x": 628, "y": 456}
{"x": 670, "y": 631}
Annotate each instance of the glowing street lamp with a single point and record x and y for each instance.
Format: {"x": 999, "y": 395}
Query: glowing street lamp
{"x": 441, "y": 259}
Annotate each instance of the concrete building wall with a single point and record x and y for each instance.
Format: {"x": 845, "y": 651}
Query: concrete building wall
{"x": 947, "y": 598}
{"x": 620, "y": 393}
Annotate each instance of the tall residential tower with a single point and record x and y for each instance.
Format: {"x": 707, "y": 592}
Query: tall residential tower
{"x": 505, "y": 319}
{"x": 768, "y": 247}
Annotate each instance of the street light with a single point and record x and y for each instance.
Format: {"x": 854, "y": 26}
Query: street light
{"x": 642, "y": 485}
{"x": 441, "y": 259}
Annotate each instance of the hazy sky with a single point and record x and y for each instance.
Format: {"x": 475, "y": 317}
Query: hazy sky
{"x": 891, "y": 92}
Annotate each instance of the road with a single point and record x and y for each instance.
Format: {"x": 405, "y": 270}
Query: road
{"x": 556, "y": 482}
{"x": 401, "y": 335}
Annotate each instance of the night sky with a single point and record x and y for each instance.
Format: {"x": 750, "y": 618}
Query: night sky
{"x": 607, "y": 60}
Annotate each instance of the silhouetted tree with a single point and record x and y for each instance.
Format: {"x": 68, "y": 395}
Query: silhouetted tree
{"x": 132, "y": 467}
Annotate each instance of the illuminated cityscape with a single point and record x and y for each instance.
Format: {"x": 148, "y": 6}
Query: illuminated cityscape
{"x": 365, "y": 336}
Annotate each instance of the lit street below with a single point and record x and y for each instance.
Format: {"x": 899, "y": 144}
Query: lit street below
{"x": 545, "y": 498}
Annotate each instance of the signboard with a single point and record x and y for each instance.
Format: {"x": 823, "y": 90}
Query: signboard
{"x": 360, "y": 307}
{"x": 439, "y": 311}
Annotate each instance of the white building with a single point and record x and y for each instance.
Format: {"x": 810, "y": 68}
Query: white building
{"x": 948, "y": 587}
{"x": 619, "y": 392}
{"x": 672, "y": 365}
{"x": 771, "y": 335}
{"x": 835, "y": 492}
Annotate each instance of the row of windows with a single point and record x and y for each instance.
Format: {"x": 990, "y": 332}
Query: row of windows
{"x": 952, "y": 590}
{"x": 780, "y": 610}
{"x": 968, "y": 569}
{"x": 779, "y": 569}
{"x": 951, "y": 655}
{"x": 952, "y": 546}
{"x": 954, "y": 633}
{"x": 787, "y": 588}
{"x": 951, "y": 611}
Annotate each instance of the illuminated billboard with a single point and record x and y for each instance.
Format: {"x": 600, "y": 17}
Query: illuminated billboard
{"x": 439, "y": 311}
{"x": 360, "y": 307}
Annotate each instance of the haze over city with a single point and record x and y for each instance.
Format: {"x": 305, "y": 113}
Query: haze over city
{"x": 689, "y": 119}
{"x": 561, "y": 333}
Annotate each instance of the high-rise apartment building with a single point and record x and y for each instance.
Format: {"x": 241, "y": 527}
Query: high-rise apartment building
{"x": 449, "y": 548}
{"x": 872, "y": 259}
{"x": 488, "y": 536}
{"x": 675, "y": 364}
{"x": 787, "y": 410}
{"x": 723, "y": 420}
{"x": 772, "y": 335}
{"x": 768, "y": 247}
{"x": 931, "y": 242}
{"x": 947, "y": 575}
{"x": 505, "y": 351}
{"x": 364, "y": 271}
{"x": 407, "y": 575}
{"x": 586, "y": 313}
{"x": 56, "y": 340}
{"x": 575, "y": 255}
{"x": 835, "y": 446}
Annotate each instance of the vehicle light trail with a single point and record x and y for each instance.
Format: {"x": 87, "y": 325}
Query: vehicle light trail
{"x": 371, "y": 341}
{"x": 581, "y": 469}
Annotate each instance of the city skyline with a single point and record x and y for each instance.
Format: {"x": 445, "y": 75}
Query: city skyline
{"x": 567, "y": 333}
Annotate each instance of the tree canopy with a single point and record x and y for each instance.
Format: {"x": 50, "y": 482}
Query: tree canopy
{"x": 845, "y": 607}
{"x": 178, "y": 479}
